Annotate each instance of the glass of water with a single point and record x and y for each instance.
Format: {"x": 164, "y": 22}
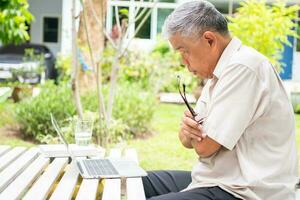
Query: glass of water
{"x": 83, "y": 131}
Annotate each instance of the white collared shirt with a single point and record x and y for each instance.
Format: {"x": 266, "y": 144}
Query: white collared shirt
{"x": 248, "y": 112}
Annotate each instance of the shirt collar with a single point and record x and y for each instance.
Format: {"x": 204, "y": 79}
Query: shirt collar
{"x": 233, "y": 46}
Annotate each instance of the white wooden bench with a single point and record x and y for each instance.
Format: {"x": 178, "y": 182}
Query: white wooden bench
{"x": 26, "y": 174}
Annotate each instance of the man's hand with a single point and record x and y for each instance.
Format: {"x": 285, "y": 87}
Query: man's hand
{"x": 192, "y": 136}
{"x": 190, "y": 130}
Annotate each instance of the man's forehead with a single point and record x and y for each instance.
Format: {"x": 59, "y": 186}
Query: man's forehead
{"x": 177, "y": 41}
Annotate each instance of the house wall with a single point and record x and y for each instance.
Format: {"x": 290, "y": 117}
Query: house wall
{"x": 66, "y": 27}
{"x": 296, "y": 67}
{"x": 66, "y": 31}
{"x": 41, "y": 9}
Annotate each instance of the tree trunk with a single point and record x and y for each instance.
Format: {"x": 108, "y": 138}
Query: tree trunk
{"x": 75, "y": 68}
{"x": 92, "y": 39}
{"x": 96, "y": 37}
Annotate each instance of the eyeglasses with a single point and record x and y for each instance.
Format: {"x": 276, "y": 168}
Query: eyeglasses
{"x": 183, "y": 96}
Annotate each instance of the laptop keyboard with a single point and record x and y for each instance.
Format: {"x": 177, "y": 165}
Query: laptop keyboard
{"x": 97, "y": 167}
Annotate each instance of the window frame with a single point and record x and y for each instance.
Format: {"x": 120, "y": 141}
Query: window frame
{"x": 58, "y": 28}
{"x": 133, "y": 5}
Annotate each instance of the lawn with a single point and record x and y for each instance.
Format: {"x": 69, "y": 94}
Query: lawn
{"x": 162, "y": 150}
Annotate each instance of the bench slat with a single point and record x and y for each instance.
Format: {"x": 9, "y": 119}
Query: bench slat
{"x": 67, "y": 184}
{"x": 90, "y": 186}
{"x": 134, "y": 186}
{"x": 88, "y": 189}
{"x": 131, "y": 154}
{"x": 11, "y": 155}
{"x": 16, "y": 167}
{"x": 115, "y": 153}
{"x": 24, "y": 180}
{"x": 135, "y": 189}
{"x": 112, "y": 187}
{"x": 4, "y": 149}
{"x": 42, "y": 186}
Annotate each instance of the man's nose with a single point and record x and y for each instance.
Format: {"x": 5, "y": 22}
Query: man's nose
{"x": 184, "y": 61}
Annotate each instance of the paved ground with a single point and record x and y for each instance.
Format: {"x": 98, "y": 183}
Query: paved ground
{"x": 175, "y": 98}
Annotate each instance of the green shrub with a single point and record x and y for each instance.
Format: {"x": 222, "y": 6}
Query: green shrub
{"x": 132, "y": 112}
{"x": 15, "y": 18}
{"x": 7, "y": 113}
{"x": 297, "y": 111}
{"x": 265, "y": 27}
{"x": 63, "y": 65}
{"x": 169, "y": 68}
{"x": 162, "y": 46}
{"x": 156, "y": 70}
{"x": 298, "y": 32}
{"x": 118, "y": 130}
{"x": 106, "y": 62}
{"x": 33, "y": 114}
{"x": 133, "y": 107}
{"x": 137, "y": 69}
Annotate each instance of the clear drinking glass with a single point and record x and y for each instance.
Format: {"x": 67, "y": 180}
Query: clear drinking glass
{"x": 83, "y": 131}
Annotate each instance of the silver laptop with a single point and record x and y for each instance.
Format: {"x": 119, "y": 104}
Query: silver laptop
{"x": 101, "y": 168}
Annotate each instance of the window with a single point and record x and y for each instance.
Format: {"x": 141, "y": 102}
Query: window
{"x": 145, "y": 30}
{"x": 123, "y": 14}
{"x": 152, "y": 25}
{"x": 50, "y": 32}
{"x": 162, "y": 15}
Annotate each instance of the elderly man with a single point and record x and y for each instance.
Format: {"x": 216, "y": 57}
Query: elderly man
{"x": 246, "y": 144}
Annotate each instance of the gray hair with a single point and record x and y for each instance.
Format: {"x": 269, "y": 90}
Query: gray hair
{"x": 195, "y": 17}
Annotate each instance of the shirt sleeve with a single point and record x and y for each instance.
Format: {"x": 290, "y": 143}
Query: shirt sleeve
{"x": 238, "y": 98}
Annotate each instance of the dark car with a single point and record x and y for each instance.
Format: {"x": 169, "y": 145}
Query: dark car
{"x": 28, "y": 63}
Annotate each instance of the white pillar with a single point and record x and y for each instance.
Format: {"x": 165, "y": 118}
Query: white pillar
{"x": 66, "y": 26}
{"x": 109, "y": 17}
{"x": 131, "y": 19}
{"x": 153, "y": 23}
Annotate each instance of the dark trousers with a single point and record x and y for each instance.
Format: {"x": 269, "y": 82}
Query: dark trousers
{"x": 165, "y": 185}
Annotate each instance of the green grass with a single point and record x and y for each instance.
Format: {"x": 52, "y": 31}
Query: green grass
{"x": 14, "y": 141}
{"x": 7, "y": 119}
{"x": 6, "y": 113}
{"x": 160, "y": 151}
{"x": 163, "y": 150}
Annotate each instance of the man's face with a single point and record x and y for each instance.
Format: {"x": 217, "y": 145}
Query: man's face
{"x": 199, "y": 55}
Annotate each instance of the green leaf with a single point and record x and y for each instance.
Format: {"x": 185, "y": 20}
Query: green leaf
{"x": 265, "y": 27}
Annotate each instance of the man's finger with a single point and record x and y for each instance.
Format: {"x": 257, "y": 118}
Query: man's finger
{"x": 203, "y": 134}
{"x": 191, "y": 130}
{"x": 195, "y": 132}
{"x": 187, "y": 113}
{"x": 191, "y": 135}
{"x": 190, "y": 122}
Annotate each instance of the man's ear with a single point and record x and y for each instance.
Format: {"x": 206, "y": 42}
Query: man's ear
{"x": 210, "y": 38}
